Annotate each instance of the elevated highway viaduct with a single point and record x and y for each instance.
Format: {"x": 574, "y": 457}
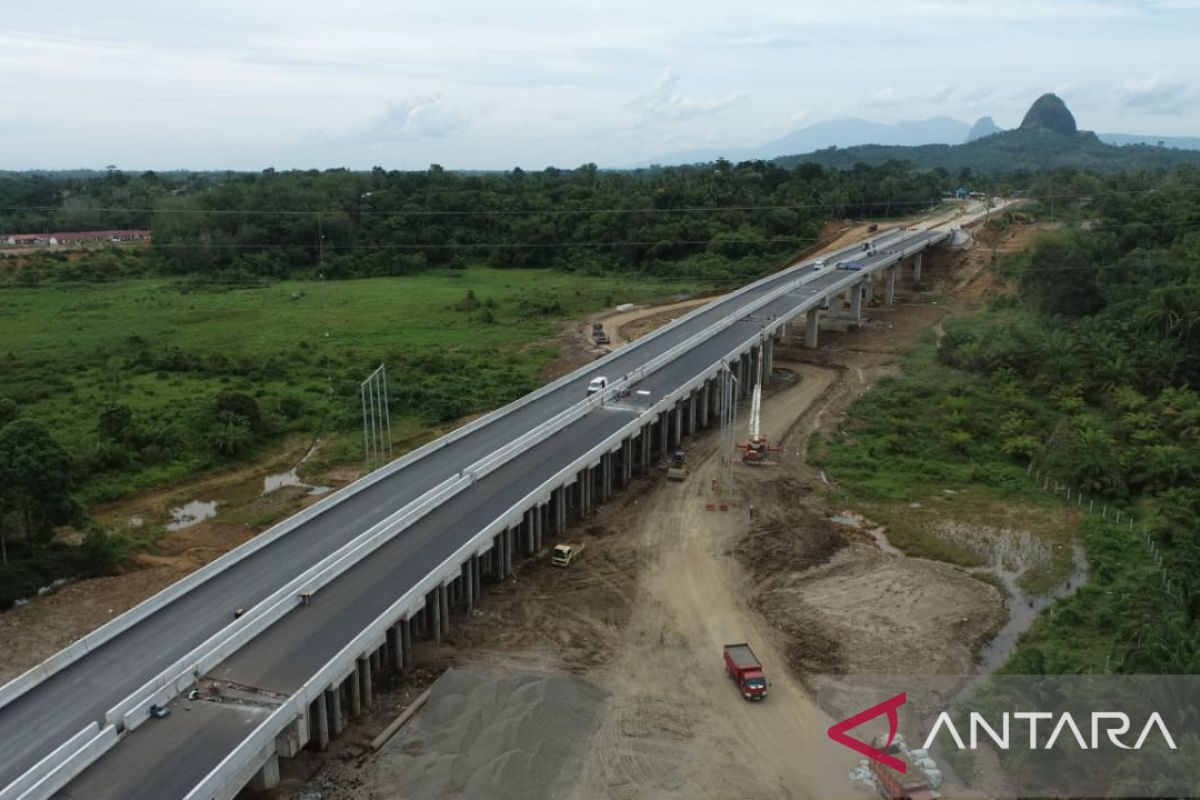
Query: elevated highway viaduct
{"x": 337, "y": 595}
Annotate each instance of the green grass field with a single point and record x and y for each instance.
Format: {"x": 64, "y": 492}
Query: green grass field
{"x": 299, "y": 347}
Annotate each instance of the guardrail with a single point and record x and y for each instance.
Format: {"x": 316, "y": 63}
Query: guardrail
{"x": 229, "y": 776}
{"x": 134, "y": 709}
{"x": 62, "y": 765}
{"x": 113, "y": 628}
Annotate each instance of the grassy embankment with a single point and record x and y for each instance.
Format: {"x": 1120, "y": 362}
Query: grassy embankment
{"x": 456, "y": 342}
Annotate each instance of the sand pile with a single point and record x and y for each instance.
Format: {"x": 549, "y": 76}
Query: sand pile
{"x": 483, "y": 737}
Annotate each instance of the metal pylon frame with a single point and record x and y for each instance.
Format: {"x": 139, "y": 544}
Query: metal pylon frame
{"x": 377, "y": 422}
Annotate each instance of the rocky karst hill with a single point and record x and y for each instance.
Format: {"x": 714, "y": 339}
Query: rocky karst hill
{"x": 1049, "y": 113}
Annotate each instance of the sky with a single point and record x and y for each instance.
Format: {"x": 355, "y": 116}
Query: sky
{"x": 473, "y": 84}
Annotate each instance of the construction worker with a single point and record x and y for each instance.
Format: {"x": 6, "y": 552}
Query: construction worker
{"x": 751, "y": 511}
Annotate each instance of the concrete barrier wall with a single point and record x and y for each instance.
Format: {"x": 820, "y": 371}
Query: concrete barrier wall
{"x": 230, "y": 775}
{"x": 134, "y": 709}
{"x": 18, "y": 788}
{"x": 146, "y": 608}
{"x": 63, "y": 765}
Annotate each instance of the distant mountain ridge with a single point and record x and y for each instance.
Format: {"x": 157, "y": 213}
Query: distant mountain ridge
{"x": 840, "y": 133}
{"x": 1047, "y": 113}
{"x": 1047, "y": 139}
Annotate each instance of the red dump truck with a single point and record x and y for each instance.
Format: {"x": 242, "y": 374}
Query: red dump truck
{"x": 746, "y": 671}
{"x": 912, "y": 784}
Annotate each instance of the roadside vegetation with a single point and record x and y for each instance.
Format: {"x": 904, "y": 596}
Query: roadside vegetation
{"x": 1089, "y": 372}
{"x": 116, "y": 387}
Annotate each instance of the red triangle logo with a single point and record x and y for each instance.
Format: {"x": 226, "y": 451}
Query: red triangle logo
{"x": 837, "y": 732}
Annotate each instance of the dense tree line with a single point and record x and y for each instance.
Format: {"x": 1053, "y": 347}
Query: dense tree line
{"x": 720, "y": 220}
{"x": 1100, "y": 386}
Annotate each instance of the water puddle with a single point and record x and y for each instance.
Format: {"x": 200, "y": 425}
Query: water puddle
{"x": 279, "y": 480}
{"x": 187, "y": 515}
{"x": 878, "y": 533}
{"x": 1024, "y": 608}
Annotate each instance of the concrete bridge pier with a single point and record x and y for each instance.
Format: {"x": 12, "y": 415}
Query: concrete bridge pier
{"x": 664, "y": 435}
{"x": 677, "y": 424}
{"x": 705, "y": 396}
{"x": 436, "y": 612}
{"x": 395, "y": 650}
{"x": 825, "y": 303}
{"x": 889, "y": 285}
{"x": 812, "y": 326}
{"x": 469, "y": 583}
{"x": 267, "y": 776}
{"x": 768, "y": 356}
{"x": 366, "y": 687}
{"x": 444, "y": 599}
{"x": 691, "y": 412}
{"x": 626, "y": 461}
{"x": 917, "y": 267}
{"x": 406, "y": 643}
{"x": 319, "y": 714}
{"x": 333, "y": 699}
{"x": 856, "y": 303}
{"x": 870, "y": 289}
{"x": 647, "y": 437}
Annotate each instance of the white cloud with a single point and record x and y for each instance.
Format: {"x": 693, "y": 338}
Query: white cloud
{"x": 1157, "y": 94}
{"x": 418, "y": 117}
{"x": 665, "y": 101}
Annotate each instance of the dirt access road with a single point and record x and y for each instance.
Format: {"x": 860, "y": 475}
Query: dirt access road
{"x": 674, "y": 725}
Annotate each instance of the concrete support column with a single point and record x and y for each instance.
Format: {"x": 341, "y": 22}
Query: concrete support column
{"x": 469, "y": 574}
{"x": 395, "y": 657}
{"x": 785, "y": 335}
{"x": 692, "y": 403}
{"x": 528, "y": 532}
{"x": 435, "y": 604}
{"x": 319, "y": 714}
{"x": 889, "y": 285}
{"x": 605, "y": 475}
{"x": 355, "y": 685}
{"x": 366, "y": 687}
{"x": 333, "y": 699}
{"x": 664, "y": 426}
{"x": 627, "y": 462}
{"x": 917, "y": 267}
{"x": 768, "y": 359}
{"x": 444, "y": 599}
{"x": 477, "y": 571}
{"x": 267, "y": 776}
{"x": 850, "y": 290}
{"x": 677, "y": 424}
{"x": 856, "y": 303}
{"x": 406, "y": 645}
{"x": 647, "y": 442}
{"x": 825, "y": 302}
{"x": 703, "y": 396}
{"x": 812, "y": 324}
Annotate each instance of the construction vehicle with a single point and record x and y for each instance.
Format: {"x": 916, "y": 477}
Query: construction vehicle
{"x": 564, "y": 554}
{"x": 598, "y": 334}
{"x": 756, "y": 452}
{"x": 915, "y": 783}
{"x": 874, "y": 226}
{"x": 679, "y": 467}
{"x": 746, "y": 671}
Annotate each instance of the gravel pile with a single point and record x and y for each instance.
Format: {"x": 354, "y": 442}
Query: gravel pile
{"x": 484, "y": 737}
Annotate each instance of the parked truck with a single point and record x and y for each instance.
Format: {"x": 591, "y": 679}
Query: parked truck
{"x": 912, "y": 784}
{"x": 745, "y": 670}
{"x": 565, "y": 554}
